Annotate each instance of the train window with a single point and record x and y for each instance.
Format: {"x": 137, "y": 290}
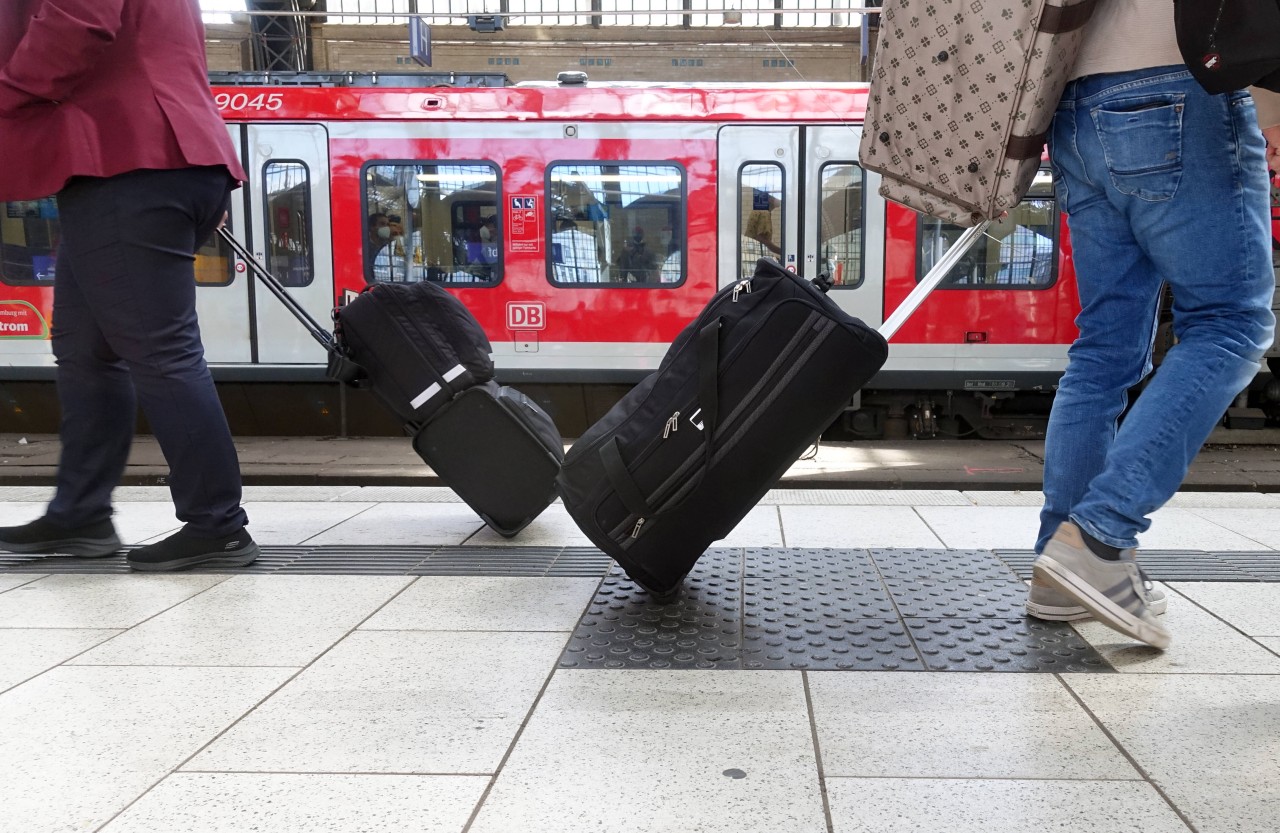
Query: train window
{"x": 431, "y": 221}
{"x": 760, "y": 215}
{"x": 29, "y": 246}
{"x": 616, "y": 224}
{"x": 214, "y": 263}
{"x": 840, "y": 231}
{"x": 28, "y": 241}
{"x": 1019, "y": 251}
{"x": 287, "y": 195}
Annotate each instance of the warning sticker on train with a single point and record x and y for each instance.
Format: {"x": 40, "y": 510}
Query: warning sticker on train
{"x": 526, "y": 236}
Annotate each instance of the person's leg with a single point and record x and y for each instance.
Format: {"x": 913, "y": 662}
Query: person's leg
{"x": 1181, "y": 167}
{"x": 96, "y": 398}
{"x": 143, "y": 230}
{"x": 1222, "y": 291}
{"x": 1119, "y": 293}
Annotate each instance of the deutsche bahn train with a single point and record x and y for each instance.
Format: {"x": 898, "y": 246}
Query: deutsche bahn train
{"x": 584, "y": 226}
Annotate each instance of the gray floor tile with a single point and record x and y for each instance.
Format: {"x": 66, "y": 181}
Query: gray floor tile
{"x": 1202, "y": 644}
{"x": 1208, "y": 741}
{"x": 957, "y": 725}
{"x": 419, "y": 524}
{"x": 396, "y": 702}
{"x": 285, "y": 523}
{"x": 888, "y": 805}
{"x": 90, "y": 601}
{"x": 661, "y": 751}
{"x": 224, "y": 802}
{"x": 1253, "y": 608}
{"x": 78, "y": 744}
{"x": 252, "y": 620}
{"x": 25, "y": 652}
{"x": 472, "y": 603}
{"x": 10, "y": 581}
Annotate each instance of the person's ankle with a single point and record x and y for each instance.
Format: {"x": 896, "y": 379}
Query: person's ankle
{"x": 1103, "y": 551}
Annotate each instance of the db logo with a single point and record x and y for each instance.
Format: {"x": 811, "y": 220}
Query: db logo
{"x": 528, "y": 316}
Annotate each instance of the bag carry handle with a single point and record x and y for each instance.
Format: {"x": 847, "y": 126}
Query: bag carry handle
{"x": 615, "y": 468}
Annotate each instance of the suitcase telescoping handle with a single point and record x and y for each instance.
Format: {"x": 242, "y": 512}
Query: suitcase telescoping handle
{"x": 930, "y": 281}
{"x": 277, "y": 289}
{"x": 340, "y": 368}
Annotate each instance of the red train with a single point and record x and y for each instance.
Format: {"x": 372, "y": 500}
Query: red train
{"x": 585, "y": 225}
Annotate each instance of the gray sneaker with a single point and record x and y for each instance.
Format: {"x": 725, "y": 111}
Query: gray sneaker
{"x": 1044, "y": 602}
{"x": 1113, "y": 591}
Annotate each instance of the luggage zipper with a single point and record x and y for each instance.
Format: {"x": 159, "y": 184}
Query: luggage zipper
{"x": 804, "y": 344}
{"x": 673, "y": 425}
{"x": 740, "y": 287}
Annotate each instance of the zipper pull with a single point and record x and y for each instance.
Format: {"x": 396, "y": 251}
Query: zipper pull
{"x": 673, "y": 424}
{"x": 740, "y": 287}
{"x": 635, "y": 533}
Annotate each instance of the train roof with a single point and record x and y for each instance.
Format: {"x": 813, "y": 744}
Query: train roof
{"x": 774, "y": 102}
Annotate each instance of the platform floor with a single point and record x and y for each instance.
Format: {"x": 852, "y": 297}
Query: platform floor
{"x": 391, "y": 665}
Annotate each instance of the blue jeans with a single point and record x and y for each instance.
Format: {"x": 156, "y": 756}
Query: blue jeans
{"x": 1162, "y": 183}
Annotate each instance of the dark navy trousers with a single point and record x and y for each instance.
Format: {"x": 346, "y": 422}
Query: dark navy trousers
{"x": 125, "y": 334}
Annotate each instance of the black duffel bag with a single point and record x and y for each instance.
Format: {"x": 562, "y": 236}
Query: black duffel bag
{"x": 749, "y": 385}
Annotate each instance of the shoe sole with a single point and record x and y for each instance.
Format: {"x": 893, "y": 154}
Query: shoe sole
{"x": 79, "y": 547}
{"x": 1051, "y": 613}
{"x": 235, "y": 558}
{"x": 1103, "y": 609}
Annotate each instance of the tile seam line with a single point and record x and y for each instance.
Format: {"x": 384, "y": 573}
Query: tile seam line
{"x": 303, "y": 542}
{"x": 524, "y": 723}
{"x": 1133, "y": 762}
{"x": 1251, "y": 637}
{"x": 120, "y": 631}
{"x": 254, "y": 707}
{"x": 817, "y": 751}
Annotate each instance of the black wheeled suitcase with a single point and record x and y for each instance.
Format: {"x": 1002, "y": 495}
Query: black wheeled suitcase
{"x": 492, "y": 445}
{"x": 498, "y": 451}
{"x": 741, "y": 393}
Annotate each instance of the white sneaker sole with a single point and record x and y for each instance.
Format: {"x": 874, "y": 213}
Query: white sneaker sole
{"x": 1103, "y": 609}
{"x": 1076, "y": 613}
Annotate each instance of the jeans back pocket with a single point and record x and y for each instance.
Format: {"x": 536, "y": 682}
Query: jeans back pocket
{"x": 1142, "y": 140}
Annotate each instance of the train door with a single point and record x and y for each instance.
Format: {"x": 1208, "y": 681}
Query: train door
{"x": 222, "y": 290}
{"x": 759, "y": 198}
{"x": 800, "y": 196}
{"x": 288, "y": 208}
{"x": 840, "y": 210}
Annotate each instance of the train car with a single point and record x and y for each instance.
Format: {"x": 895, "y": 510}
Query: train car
{"x": 584, "y": 226}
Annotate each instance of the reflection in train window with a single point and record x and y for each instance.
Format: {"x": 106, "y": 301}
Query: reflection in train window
{"x": 1019, "y": 251}
{"x": 840, "y": 231}
{"x": 287, "y": 191}
{"x": 28, "y": 241}
{"x": 214, "y": 263}
{"x": 433, "y": 222}
{"x": 616, "y": 224}
{"x": 760, "y": 215}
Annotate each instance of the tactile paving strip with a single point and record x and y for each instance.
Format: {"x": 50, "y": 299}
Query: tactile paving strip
{"x": 1180, "y": 565}
{"x": 958, "y": 644}
{"x": 584, "y": 562}
{"x": 624, "y": 628}
{"x": 829, "y": 609}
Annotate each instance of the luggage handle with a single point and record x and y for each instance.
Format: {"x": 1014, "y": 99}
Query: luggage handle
{"x": 277, "y": 289}
{"x": 340, "y": 368}
{"x": 615, "y": 469}
{"x": 930, "y": 281}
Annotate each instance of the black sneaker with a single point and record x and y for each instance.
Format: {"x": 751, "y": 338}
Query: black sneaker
{"x": 43, "y": 536}
{"x": 182, "y": 550}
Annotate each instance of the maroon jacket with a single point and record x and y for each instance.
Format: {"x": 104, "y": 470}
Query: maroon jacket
{"x": 102, "y": 87}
